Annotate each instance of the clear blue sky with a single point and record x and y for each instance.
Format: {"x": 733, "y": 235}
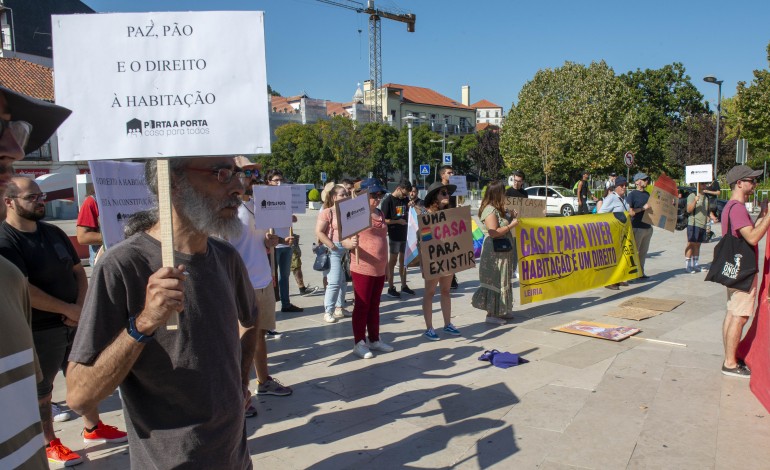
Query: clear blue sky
{"x": 495, "y": 46}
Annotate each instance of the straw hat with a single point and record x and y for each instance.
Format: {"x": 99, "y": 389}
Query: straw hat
{"x": 329, "y": 186}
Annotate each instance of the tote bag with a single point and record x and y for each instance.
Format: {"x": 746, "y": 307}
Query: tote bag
{"x": 735, "y": 262}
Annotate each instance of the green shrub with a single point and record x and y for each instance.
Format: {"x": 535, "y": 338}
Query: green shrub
{"x": 314, "y": 195}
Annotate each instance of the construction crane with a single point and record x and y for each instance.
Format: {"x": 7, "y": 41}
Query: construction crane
{"x": 375, "y": 44}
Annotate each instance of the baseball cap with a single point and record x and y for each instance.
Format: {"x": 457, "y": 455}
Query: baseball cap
{"x": 44, "y": 117}
{"x": 641, "y": 176}
{"x": 739, "y": 172}
{"x": 620, "y": 181}
{"x": 372, "y": 186}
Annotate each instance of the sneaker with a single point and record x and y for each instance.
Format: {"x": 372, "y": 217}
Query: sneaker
{"x": 250, "y": 412}
{"x": 688, "y": 270}
{"x": 309, "y": 290}
{"x": 392, "y": 292}
{"x": 695, "y": 270}
{"x": 406, "y": 290}
{"x": 329, "y": 317}
{"x": 704, "y": 269}
{"x": 380, "y": 346}
{"x": 612, "y": 287}
{"x": 430, "y": 333}
{"x": 340, "y": 312}
{"x": 450, "y": 328}
{"x": 59, "y": 453}
{"x": 623, "y": 284}
{"x": 644, "y": 276}
{"x": 362, "y": 350}
{"x": 495, "y": 320}
{"x": 508, "y": 316}
{"x": 273, "y": 387}
{"x": 272, "y": 334}
{"x": 58, "y": 414}
{"x": 292, "y": 309}
{"x": 454, "y": 283}
{"x": 104, "y": 433}
{"x": 738, "y": 371}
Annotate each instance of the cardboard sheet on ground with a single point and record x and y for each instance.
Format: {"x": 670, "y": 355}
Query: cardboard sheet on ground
{"x": 298, "y": 203}
{"x": 633, "y": 313}
{"x": 663, "y": 204}
{"x": 565, "y": 255}
{"x": 462, "y": 185}
{"x": 163, "y": 84}
{"x": 525, "y": 207}
{"x": 120, "y": 192}
{"x": 597, "y": 330}
{"x": 353, "y": 215}
{"x": 446, "y": 243}
{"x": 272, "y": 206}
{"x": 651, "y": 303}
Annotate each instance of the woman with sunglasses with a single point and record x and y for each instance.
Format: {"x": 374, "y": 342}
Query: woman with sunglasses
{"x": 368, "y": 272}
{"x": 326, "y": 230}
{"x": 494, "y": 294}
{"x": 436, "y": 200}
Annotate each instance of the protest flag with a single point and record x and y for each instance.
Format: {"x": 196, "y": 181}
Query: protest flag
{"x": 411, "y": 238}
{"x": 478, "y": 238}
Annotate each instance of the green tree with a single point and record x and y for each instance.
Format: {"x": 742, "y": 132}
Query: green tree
{"x": 296, "y": 151}
{"x": 752, "y": 117}
{"x": 486, "y": 154}
{"x": 375, "y": 150}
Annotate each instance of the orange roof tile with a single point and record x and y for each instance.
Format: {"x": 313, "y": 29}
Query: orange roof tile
{"x": 280, "y": 104}
{"x": 420, "y": 95}
{"x": 27, "y": 77}
{"x": 337, "y": 109}
{"x": 482, "y": 126}
{"x": 485, "y": 104}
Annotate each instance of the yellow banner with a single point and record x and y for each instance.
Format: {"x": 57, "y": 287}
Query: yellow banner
{"x": 559, "y": 256}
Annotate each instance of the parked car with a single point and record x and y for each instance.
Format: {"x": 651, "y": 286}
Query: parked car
{"x": 561, "y": 201}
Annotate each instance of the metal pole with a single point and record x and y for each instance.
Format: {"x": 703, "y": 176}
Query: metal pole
{"x": 443, "y": 143}
{"x": 411, "y": 173}
{"x": 716, "y": 141}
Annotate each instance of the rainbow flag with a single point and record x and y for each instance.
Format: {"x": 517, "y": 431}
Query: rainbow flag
{"x": 411, "y": 237}
{"x": 478, "y": 238}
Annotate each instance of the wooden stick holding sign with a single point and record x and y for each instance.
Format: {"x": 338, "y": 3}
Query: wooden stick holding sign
{"x": 166, "y": 226}
{"x": 353, "y": 216}
{"x": 272, "y": 260}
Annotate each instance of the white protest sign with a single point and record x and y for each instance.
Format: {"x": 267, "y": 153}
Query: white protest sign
{"x": 156, "y": 85}
{"x": 272, "y": 206}
{"x": 698, "y": 174}
{"x": 461, "y": 183}
{"x": 298, "y": 205}
{"x": 353, "y": 215}
{"x": 120, "y": 192}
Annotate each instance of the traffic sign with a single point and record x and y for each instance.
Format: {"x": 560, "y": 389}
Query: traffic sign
{"x": 424, "y": 169}
{"x": 323, "y": 177}
{"x": 447, "y": 158}
{"x": 629, "y": 159}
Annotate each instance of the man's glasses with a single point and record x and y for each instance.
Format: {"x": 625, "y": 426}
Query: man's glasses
{"x": 224, "y": 175}
{"x": 20, "y": 130}
{"x": 749, "y": 180}
{"x": 32, "y": 197}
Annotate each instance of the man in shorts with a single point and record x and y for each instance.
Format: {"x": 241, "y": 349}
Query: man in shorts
{"x": 395, "y": 208}
{"x": 698, "y": 208}
{"x": 740, "y": 305}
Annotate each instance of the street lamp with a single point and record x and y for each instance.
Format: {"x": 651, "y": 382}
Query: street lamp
{"x": 409, "y": 120}
{"x": 713, "y": 79}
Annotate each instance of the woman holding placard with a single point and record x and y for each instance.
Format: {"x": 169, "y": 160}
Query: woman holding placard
{"x": 327, "y": 232}
{"x": 369, "y": 275}
{"x": 494, "y": 294}
{"x": 436, "y": 200}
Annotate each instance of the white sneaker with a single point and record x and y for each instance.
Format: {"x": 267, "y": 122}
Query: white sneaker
{"x": 58, "y": 414}
{"x": 495, "y": 321}
{"x": 362, "y": 350}
{"x": 329, "y": 317}
{"x": 340, "y": 312}
{"x": 380, "y": 346}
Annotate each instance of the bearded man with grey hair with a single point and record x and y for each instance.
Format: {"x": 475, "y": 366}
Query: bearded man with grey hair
{"x": 184, "y": 390}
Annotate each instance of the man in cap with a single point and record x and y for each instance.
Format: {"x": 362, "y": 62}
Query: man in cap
{"x": 740, "y": 305}
{"x": 25, "y": 125}
{"x": 637, "y": 203}
{"x": 611, "y": 181}
{"x": 185, "y": 390}
{"x": 616, "y": 201}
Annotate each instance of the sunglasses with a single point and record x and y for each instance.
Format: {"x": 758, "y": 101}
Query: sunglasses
{"x": 749, "y": 180}
{"x": 443, "y": 192}
{"x": 224, "y": 175}
{"x": 20, "y": 130}
{"x": 32, "y": 197}
{"x": 248, "y": 174}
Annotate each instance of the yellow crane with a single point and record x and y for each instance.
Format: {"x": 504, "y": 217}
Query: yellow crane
{"x": 375, "y": 44}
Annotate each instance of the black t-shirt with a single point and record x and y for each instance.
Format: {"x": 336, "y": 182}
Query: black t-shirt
{"x": 636, "y": 200}
{"x": 583, "y": 191}
{"x": 513, "y": 192}
{"x": 396, "y": 208}
{"x": 713, "y": 186}
{"x": 47, "y": 257}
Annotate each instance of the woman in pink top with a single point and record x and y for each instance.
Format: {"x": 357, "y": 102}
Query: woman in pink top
{"x": 326, "y": 230}
{"x": 368, "y": 271}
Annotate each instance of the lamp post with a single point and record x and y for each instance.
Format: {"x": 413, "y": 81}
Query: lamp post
{"x": 713, "y": 79}
{"x": 409, "y": 120}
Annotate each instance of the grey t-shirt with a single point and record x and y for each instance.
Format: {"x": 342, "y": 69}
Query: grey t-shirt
{"x": 183, "y": 397}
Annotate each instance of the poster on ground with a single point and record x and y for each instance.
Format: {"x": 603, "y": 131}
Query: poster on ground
{"x": 272, "y": 206}
{"x": 597, "y": 330}
{"x": 663, "y": 204}
{"x": 121, "y": 191}
{"x": 162, "y": 84}
{"x": 446, "y": 242}
{"x": 353, "y": 215}
{"x": 565, "y": 255}
{"x": 525, "y": 207}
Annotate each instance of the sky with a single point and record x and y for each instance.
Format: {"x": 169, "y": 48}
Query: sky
{"x": 495, "y": 47}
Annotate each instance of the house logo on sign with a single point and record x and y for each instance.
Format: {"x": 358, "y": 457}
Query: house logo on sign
{"x": 134, "y": 128}
{"x": 354, "y": 213}
{"x": 272, "y": 205}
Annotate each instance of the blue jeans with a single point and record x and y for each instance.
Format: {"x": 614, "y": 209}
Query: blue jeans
{"x": 283, "y": 261}
{"x": 335, "y": 277}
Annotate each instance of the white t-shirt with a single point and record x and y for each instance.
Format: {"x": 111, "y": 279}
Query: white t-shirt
{"x": 251, "y": 245}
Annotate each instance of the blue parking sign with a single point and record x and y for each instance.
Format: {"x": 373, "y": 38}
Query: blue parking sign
{"x": 447, "y": 158}
{"x": 424, "y": 169}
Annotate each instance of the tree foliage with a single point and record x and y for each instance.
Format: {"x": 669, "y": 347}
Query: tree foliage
{"x": 486, "y": 154}
{"x": 752, "y": 112}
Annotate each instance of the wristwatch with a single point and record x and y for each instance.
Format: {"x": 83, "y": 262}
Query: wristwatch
{"x": 139, "y": 337}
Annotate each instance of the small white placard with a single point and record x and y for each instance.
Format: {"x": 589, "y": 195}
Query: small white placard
{"x": 120, "y": 192}
{"x": 157, "y": 85}
{"x": 698, "y": 174}
{"x": 298, "y": 205}
{"x": 461, "y": 183}
{"x": 353, "y": 215}
{"x": 272, "y": 206}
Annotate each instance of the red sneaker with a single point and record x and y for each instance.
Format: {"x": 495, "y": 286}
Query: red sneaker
{"x": 59, "y": 453}
{"x": 104, "y": 433}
